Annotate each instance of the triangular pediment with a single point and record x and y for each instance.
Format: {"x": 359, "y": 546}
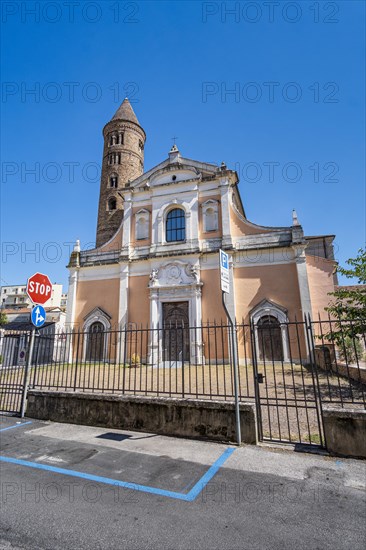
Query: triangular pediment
{"x": 173, "y": 171}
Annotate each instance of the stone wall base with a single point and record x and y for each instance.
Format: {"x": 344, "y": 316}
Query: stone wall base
{"x": 344, "y": 431}
{"x": 213, "y": 420}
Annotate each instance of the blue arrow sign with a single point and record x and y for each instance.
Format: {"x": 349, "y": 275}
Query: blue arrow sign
{"x": 38, "y": 316}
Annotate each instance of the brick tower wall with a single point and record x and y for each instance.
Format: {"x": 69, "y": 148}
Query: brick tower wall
{"x": 128, "y": 166}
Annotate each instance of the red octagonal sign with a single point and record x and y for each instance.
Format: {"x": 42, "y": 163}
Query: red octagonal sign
{"x": 39, "y": 288}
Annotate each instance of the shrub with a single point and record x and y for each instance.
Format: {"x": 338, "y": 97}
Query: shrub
{"x": 135, "y": 360}
{"x": 350, "y": 349}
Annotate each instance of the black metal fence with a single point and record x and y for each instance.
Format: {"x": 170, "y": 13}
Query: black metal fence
{"x": 290, "y": 370}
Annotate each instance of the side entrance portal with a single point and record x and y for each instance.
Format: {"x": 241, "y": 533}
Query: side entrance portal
{"x": 95, "y": 343}
{"x": 270, "y": 339}
{"x": 176, "y": 331}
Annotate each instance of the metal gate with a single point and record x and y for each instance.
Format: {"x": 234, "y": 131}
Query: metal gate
{"x": 286, "y": 383}
{"x": 13, "y": 354}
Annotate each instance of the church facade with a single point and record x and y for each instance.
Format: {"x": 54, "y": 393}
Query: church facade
{"x": 158, "y": 238}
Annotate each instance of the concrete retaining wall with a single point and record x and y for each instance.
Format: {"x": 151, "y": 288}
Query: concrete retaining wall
{"x": 180, "y": 417}
{"x": 344, "y": 431}
{"x": 354, "y": 372}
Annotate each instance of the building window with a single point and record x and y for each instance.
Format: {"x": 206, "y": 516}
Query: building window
{"x": 115, "y": 139}
{"x": 112, "y": 204}
{"x": 175, "y": 226}
{"x": 113, "y": 181}
{"x": 210, "y": 216}
{"x": 114, "y": 158}
{"x": 111, "y": 140}
{"x": 141, "y": 145}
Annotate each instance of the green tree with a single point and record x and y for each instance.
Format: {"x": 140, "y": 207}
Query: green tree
{"x": 348, "y": 309}
{"x": 350, "y": 303}
{"x": 3, "y": 318}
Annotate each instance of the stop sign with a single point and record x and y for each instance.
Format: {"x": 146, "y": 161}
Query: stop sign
{"x": 39, "y": 288}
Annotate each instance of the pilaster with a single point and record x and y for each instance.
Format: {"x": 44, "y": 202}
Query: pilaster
{"x": 225, "y": 213}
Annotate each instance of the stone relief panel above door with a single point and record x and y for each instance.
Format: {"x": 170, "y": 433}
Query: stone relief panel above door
{"x": 174, "y": 274}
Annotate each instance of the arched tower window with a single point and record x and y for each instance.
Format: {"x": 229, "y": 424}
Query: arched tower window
{"x": 113, "y": 180}
{"x": 112, "y": 204}
{"x": 175, "y": 229}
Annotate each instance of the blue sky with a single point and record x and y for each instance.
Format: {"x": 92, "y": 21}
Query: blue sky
{"x": 292, "y": 126}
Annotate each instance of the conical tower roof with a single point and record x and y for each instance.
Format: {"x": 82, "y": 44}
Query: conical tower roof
{"x": 125, "y": 112}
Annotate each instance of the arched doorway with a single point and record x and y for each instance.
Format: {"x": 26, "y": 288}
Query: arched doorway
{"x": 176, "y": 331}
{"x": 95, "y": 343}
{"x": 270, "y": 339}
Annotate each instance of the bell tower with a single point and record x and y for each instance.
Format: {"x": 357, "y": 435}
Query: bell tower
{"x": 123, "y": 161}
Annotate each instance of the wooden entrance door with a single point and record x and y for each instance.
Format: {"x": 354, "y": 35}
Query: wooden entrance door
{"x": 176, "y": 331}
{"x": 95, "y": 343}
{"x": 270, "y": 339}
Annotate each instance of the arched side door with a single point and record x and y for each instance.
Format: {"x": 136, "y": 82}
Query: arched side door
{"x": 270, "y": 339}
{"x": 95, "y": 343}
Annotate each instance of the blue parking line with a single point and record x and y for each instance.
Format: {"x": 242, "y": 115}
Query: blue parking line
{"x": 189, "y": 497}
{"x": 15, "y": 426}
{"x": 211, "y": 472}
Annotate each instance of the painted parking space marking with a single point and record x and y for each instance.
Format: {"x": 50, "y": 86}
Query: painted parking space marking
{"x": 15, "y": 426}
{"x": 188, "y": 497}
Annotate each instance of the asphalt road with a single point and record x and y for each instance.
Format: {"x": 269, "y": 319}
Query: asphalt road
{"x": 76, "y": 487}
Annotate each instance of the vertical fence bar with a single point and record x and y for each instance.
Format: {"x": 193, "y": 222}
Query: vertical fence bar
{"x": 255, "y": 380}
{"x": 77, "y": 359}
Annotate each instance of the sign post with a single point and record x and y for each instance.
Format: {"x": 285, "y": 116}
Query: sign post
{"x": 225, "y": 288}
{"x": 26, "y": 373}
{"x": 39, "y": 290}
